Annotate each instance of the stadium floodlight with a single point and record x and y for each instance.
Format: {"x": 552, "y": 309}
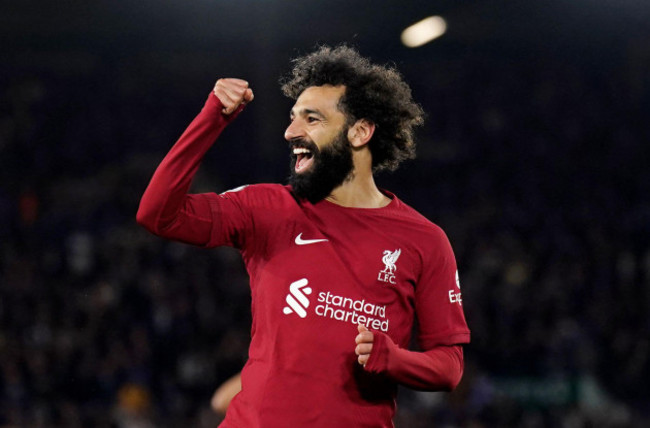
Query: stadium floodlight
{"x": 424, "y": 31}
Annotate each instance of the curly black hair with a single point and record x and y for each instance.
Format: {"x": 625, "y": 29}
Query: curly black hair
{"x": 372, "y": 92}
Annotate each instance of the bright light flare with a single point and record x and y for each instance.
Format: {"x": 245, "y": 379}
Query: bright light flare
{"x": 424, "y": 31}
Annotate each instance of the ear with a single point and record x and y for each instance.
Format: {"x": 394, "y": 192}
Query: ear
{"x": 361, "y": 132}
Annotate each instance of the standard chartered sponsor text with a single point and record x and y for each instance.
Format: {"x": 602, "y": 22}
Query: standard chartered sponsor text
{"x": 353, "y": 311}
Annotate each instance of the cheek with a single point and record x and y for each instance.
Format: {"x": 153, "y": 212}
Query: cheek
{"x": 323, "y": 138}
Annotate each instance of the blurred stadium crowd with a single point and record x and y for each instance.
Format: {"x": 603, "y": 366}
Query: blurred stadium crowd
{"x": 537, "y": 170}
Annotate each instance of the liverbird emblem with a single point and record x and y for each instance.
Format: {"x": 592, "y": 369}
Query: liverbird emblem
{"x": 389, "y": 260}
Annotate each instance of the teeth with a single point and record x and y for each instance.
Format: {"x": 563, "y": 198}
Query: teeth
{"x": 300, "y": 150}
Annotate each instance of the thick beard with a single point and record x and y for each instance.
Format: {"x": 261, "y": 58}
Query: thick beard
{"x": 331, "y": 167}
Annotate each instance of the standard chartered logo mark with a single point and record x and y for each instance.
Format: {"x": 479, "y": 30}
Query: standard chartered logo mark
{"x": 297, "y": 299}
{"x": 335, "y": 307}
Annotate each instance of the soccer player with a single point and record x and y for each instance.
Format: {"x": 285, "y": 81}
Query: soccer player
{"x": 340, "y": 270}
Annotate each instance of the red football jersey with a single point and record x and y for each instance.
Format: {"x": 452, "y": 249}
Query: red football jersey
{"x": 316, "y": 272}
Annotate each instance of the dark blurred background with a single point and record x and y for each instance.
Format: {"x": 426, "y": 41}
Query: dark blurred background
{"x": 534, "y": 159}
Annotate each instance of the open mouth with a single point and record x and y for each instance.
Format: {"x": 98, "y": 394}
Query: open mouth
{"x": 304, "y": 158}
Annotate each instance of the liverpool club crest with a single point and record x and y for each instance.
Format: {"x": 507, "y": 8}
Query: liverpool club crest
{"x": 389, "y": 260}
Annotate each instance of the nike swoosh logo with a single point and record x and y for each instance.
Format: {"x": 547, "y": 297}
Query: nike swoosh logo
{"x": 300, "y": 241}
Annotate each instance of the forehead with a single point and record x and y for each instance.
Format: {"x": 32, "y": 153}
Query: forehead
{"x": 323, "y": 98}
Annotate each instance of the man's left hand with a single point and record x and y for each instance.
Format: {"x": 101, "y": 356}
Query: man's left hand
{"x": 364, "y": 344}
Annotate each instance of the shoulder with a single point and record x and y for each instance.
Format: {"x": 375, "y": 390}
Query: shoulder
{"x": 260, "y": 195}
{"x": 411, "y": 219}
{"x": 421, "y": 235}
{"x": 258, "y": 190}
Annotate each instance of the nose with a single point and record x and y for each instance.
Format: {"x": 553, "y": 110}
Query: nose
{"x": 293, "y": 130}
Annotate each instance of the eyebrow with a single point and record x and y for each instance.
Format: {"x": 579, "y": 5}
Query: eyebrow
{"x": 305, "y": 112}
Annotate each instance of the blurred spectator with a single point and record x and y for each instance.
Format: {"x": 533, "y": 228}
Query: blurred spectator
{"x": 133, "y": 407}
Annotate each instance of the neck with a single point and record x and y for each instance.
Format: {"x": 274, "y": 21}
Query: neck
{"x": 360, "y": 190}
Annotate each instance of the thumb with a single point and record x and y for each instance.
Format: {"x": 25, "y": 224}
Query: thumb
{"x": 248, "y": 96}
{"x": 361, "y": 328}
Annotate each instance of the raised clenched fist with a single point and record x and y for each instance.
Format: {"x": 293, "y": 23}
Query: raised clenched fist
{"x": 232, "y": 93}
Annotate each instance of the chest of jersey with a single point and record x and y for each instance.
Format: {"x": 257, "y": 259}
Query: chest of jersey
{"x": 335, "y": 272}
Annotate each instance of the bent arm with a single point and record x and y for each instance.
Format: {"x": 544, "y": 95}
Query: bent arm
{"x": 165, "y": 208}
{"x": 437, "y": 369}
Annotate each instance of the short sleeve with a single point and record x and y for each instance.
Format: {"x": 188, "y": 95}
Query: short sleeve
{"x": 438, "y": 298}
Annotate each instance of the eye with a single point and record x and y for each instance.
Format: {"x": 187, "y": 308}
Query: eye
{"x": 312, "y": 119}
